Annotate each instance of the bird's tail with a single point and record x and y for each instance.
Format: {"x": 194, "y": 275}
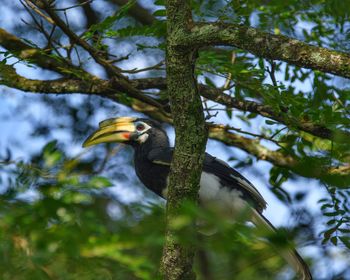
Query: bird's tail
{"x": 290, "y": 255}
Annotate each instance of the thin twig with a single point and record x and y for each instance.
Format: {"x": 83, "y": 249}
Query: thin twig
{"x": 118, "y": 79}
{"x": 154, "y": 67}
{"x": 259, "y": 136}
{"x": 207, "y": 110}
{"x": 340, "y": 103}
{"x": 40, "y": 13}
{"x": 228, "y": 80}
{"x": 125, "y": 57}
{"x": 277, "y": 132}
{"x": 40, "y": 27}
{"x": 74, "y": 6}
{"x": 271, "y": 72}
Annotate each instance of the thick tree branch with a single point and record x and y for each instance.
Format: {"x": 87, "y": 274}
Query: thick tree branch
{"x": 46, "y": 61}
{"x": 217, "y": 95}
{"x": 105, "y": 89}
{"x": 10, "y": 78}
{"x": 42, "y": 59}
{"x": 276, "y": 47}
{"x": 264, "y": 110}
{"x": 307, "y": 167}
{"x": 91, "y": 85}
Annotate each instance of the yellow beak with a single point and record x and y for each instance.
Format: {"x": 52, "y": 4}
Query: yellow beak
{"x": 112, "y": 130}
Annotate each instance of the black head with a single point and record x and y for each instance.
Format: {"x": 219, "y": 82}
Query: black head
{"x": 132, "y": 131}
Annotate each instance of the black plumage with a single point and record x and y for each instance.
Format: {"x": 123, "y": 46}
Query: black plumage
{"x": 220, "y": 184}
{"x": 229, "y": 177}
{"x": 152, "y": 164}
{"x": 152, "y": 175}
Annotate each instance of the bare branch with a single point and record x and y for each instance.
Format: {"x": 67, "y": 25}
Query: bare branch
{"x": 41, "y": 28}
{"x": 154, "y": 67}
{"x": 229, "y": 77}
{"x": 271, "y": 72}
{"x": 82, "y": 3}
{"x": 40, "y": 13}
{"x": 121, "y": 81}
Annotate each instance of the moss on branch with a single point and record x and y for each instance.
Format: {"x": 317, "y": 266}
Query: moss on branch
{"x": 190, "y": 138}
{"x": 103, "y": 88}
{"x": 270, "y": 46}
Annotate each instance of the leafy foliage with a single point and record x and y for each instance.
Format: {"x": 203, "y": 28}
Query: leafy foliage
{"x": 61, "y": 215}
{"x": 67, "y": 232}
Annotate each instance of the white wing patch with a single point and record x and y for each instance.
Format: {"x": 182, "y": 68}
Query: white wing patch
{"x": 245, "y": 184}
{"x": 228, "y": 202}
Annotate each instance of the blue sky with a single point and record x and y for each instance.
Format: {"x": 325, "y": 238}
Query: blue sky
{"x": 16, "y": 129}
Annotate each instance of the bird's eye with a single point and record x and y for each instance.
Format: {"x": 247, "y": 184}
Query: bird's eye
{"x": 140, "y": 127}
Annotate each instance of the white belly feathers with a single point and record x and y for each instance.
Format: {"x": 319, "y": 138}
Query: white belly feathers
{"x": 212, "y": 195}
{"x": 228, "y": 202}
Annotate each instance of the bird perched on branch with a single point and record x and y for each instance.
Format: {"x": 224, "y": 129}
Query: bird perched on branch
{"x": 220, "y": 184}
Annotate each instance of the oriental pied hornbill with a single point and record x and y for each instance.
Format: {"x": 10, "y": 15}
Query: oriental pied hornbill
{"x": 220, "y": 184}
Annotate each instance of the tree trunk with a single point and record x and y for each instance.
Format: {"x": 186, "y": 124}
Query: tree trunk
{"x": 190, "y": 141}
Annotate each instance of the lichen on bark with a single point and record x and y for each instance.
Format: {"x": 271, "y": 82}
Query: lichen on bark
{"x": 271, "y": 46}
{"x": 190, "y": 139}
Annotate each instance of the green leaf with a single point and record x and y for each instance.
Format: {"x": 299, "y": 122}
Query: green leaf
{"x": 108, "y": 22}
{"x": 332, "y": 222}
{"x": 334, "y": 240}
{"x": 324, "y": 206}
{"x": 51, "y": 159}
{"x": 229, "y": 113}
{"x": 328, "y": 233}
{"x": 160, "y": 13}
{"x": 209, "y": 82}
{"x": 50, "y": 147}
{"x": 100, "y": 182}
{"x": 51, "y": 155}
{"x": 331, "y": 214}
{"x": 269, "y": 122}
{"x": 345, "y": 240}
{"x": 261, "y": 63}
{"x": 160, "y": 2}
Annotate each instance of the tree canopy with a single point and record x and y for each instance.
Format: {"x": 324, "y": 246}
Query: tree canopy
{"x": 269, "y": 78}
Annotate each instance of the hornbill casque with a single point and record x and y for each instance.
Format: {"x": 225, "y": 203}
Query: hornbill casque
{"x": 220, "y": 184}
